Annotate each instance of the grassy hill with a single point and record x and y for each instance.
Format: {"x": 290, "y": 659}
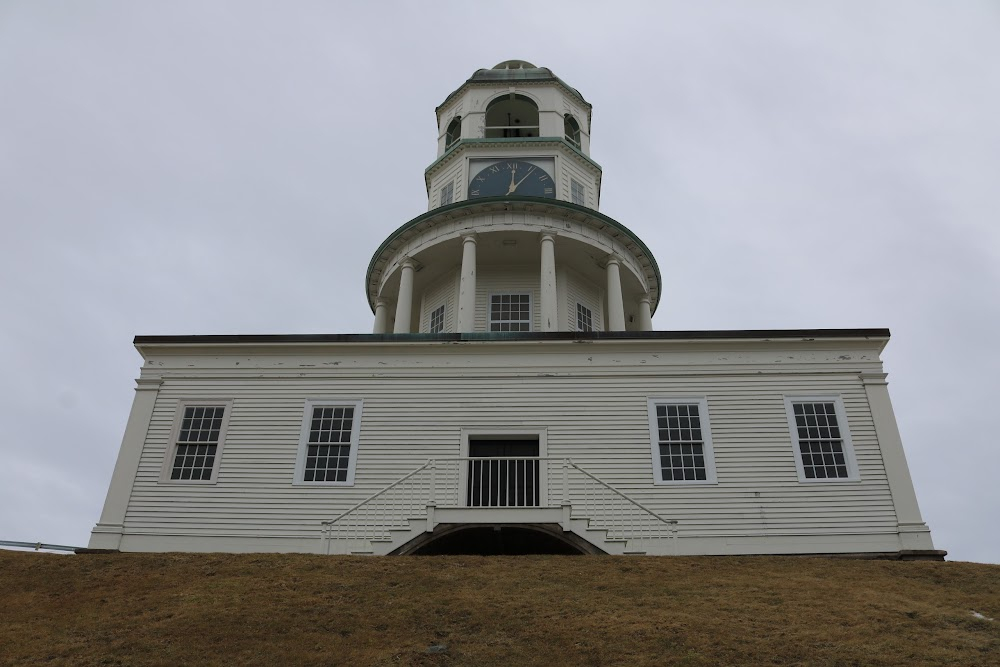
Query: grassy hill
{"x": 181, "y": 609}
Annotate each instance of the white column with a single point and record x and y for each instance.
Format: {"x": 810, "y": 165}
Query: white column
{"x": 616, "y": 307}
{"x": 381, "y": 312}
{"x": 913, "y": 532}
{"x": 404, "y": 302}
{"x": 550, "y": 309}
{"x": 467, "y": 286}
{"x": 108, "y": 531}
{"x": 645, "y": 316}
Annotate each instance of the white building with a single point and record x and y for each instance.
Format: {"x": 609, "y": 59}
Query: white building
{"x": 513, "y": 396}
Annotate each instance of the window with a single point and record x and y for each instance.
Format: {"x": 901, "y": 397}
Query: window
{"x": 682, "y": 442}
{"x": 448, "y": 194}
{"x": 198, "y": 434}
{"x": 821, "y": 440}
{"x": 328, "y": 447}
{"x": 437, "y": 320}
{"x": 584, "y": 318}
{"x": 454, "y": 132}
{"x": 572, "y": 129}
{"x": 577, "y": 193}
{"x": 510, "y": 312}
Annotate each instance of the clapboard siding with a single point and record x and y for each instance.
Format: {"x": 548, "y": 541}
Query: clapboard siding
{"x": 571, "y": 171}
{"x": 598, "y": 416}
{"x": 579, "y": 290}
{"x": 442, "y": 293}
{"x": 506, "y": 280}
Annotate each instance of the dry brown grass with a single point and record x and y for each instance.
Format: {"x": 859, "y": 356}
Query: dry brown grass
{"x": 181, "y": 609}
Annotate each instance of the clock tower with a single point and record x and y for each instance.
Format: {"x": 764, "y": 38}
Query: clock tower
{"x": 512, "y": 240}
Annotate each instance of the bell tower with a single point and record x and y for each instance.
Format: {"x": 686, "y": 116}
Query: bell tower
{"x": 512, "y": 240}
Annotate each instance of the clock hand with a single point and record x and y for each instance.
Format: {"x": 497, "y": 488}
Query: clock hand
{"x": 514, "y": 187}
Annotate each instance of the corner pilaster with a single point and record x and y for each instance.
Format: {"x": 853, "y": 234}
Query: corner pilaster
{"x": 107, "y": 534}
{"x": 913, "y": 532}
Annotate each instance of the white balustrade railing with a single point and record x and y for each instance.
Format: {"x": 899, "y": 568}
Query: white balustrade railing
{"x": 497, "y": 482}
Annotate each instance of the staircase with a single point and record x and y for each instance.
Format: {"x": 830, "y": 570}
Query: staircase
{"x": 499, "y": 491}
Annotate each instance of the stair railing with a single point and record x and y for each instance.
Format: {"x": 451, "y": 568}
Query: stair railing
{"x": 498, "y": 482}
{"x": 624, "y": 517}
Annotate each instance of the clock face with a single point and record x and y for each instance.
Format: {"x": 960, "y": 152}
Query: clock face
{"x": 512, "y": 177}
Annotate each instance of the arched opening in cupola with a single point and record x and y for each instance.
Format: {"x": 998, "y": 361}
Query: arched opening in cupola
{"x": 511, "y": 116}
{"x": 454, "y": 132}
{"x": 572, "y": 130}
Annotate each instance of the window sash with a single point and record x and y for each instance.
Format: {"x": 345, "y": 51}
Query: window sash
{"x": 447, "y": 194}
{"x": 196, "y": 442}
{"x": 328, "y": 446}
{"x": 510, "y": 312}
{"x": 681, "y": 441}
{"x": 436, "y": 320}
{"x": 584, "y": 318}
{"x": 820, "y": 438}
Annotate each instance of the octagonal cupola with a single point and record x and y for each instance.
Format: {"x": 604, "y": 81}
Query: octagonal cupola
{"x": 513, "y": 240}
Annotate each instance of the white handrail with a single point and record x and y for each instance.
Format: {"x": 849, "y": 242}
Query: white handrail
{"x": 622, "y": 494}
{"x": 498, "y": 485}
{"x": 377, "y": 494}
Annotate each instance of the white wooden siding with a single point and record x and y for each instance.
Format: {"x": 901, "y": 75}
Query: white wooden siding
{"x": 453, "y": 174}
{"x": 580, "y": 290}
{"x": 442, "y": 293}
{"x": 507, "y": 280}
{"x": 592, "y": 404}
{"x": 568, "y": 171}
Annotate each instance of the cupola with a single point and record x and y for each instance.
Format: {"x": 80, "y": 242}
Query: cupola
{"x": 512, "y": 240}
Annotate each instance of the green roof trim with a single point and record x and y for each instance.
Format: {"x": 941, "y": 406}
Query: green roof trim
{"x": 507, "y": 141}
{"x": 485, "y": 201}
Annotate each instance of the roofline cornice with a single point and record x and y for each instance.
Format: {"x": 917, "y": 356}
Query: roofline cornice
{"x": 877, "y": 335}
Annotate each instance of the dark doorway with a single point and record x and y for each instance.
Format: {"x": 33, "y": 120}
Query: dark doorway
{"x": 497, "y": 541}
{"x": 504, "y": 478}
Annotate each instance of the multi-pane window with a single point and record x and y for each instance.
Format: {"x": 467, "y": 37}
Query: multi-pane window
{"x": 682, "y": 446}
{"x": 510, "y": 312}
{"x": 821, "y": 439}
{"x": 584, "y": 318}
{"x": 197, "y": 445}
{"x": 437, "y": 320}
{"x": 447, "y": 194}
{"x": 578, "y": 195}
{"x": 328, "y": 449}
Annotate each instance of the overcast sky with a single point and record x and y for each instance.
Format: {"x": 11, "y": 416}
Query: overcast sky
{"x": 230, "y": 167}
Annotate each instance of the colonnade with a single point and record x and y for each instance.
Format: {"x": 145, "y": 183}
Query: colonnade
{"x": 466, "y": 316}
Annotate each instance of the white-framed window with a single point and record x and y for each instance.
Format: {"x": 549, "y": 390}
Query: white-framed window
{"x": 196, "y": 440}
{"x": 578, "y": 194}
{"x": 822, "y": 442}
{"x": 448, "y": 194}
{"x": 437, "y": 320}
{"x": 584, "y": 318}
{"x": 510, "y": 312}
{"x": 681, "y": 440}
{"x": 328, "y": 446}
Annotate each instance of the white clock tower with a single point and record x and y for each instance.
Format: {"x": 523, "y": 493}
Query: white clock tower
{"x": 513, "y": 240}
